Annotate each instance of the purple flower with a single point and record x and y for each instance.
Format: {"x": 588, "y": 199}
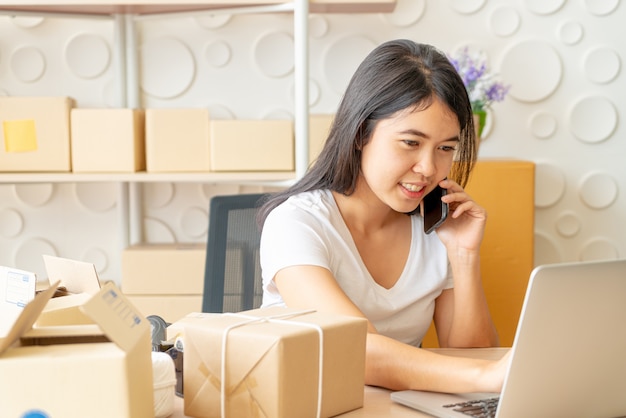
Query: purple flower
{"x": 482, "y": 87}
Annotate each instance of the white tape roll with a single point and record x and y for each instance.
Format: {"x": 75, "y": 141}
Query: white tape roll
{"x": 164, "y": 382}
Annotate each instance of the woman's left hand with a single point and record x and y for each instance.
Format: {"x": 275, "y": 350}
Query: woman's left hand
{"x": 465, "y": 226}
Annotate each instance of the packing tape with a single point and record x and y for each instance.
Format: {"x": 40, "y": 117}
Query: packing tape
{"x": 280, "y": 319}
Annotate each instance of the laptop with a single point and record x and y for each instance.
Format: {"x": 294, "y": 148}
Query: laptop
{"x": 569, "y": 352}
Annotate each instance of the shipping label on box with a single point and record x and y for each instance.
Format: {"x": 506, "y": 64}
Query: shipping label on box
{"x": 99, "y": 370}
{"x": 17, "y": 289}
{"x": 177, "y": 140}
{"x": 108, "y": 140}
{"x": 35, "y": 134}
{"x": 252, "y": 145}
{"x": 275, "y": 362}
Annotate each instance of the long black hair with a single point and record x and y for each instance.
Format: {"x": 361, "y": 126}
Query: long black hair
{"x": 396, "y": 75}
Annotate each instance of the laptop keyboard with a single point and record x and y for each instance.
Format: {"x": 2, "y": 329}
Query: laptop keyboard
{"x": 480, "y": 408}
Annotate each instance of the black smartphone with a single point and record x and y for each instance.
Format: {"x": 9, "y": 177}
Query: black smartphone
{"x": 435, "y": 211}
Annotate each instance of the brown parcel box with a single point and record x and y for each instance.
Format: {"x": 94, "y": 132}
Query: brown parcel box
{"x": 272, "y": 366}
{"x": 102, "y": 370}
{"x": 35, "y": 133}
{"x": 163, "y": 269}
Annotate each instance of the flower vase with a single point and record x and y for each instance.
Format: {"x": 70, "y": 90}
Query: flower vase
{"x": 480, "y": 117}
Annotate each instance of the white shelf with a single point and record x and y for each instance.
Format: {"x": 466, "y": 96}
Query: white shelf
{"x": 144, "y": 177}
{"x": 152, "y": 7}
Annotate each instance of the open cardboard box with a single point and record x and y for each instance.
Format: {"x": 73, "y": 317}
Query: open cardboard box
{"x": 278, "y": 362}
{"x": 80, "y": 282}
{"x": 102, "y": 369}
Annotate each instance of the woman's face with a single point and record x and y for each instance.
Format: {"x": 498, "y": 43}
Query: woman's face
{"x": 409, "y": 153}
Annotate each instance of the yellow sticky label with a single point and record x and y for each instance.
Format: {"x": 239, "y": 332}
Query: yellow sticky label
{"x": 20, "y": 135}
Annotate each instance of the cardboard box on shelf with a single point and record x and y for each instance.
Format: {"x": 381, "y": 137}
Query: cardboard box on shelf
{"x": 177, "y": 140}
{"x": 99, "y": 370}
{"x": 108, "y": 140}
{"x": 319, "y": 128}
{"x": 35, "y": 134}
{"x": 283, "y": 362}
{"x": 252, "y": 145}
{"x": 163, "y": 269}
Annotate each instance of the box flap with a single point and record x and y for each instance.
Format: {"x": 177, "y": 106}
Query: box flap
{"x": 27, "y": 318}
{"x": 117, "y": 317}
{"x": 17, "y": 289}
{"x": 75, "y": 276}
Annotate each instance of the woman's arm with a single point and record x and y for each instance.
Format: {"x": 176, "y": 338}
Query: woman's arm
{"x": 462, "y": 317}
{"x": 389, "y": 363}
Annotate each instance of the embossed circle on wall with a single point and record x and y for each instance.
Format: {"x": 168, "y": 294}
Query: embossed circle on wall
{"x": 28, "y": 256}
{"x": 157, "y": 195}
{"x": 598, "y": 190}
{"x": 213, "y": 21}
{"x": 533, "y": 69}
{"x": 568, "y": 224}
{"x": 602, "y": 65}
{"x": 593, "y": 119}
{"x": 599, "y": 249}
{"x": 466, "y": 6}
{"x": 406, "y": 13}
{"x": 542, "y": 125}
{"x": 167, "y": 67}
{"x": 87, "y": 55}
{"x": 194, "y": 222}
{"x": 156, "y": 231}
{"x": 342, "y": 59}
{"x": 219, "y": 111}
{"x": 601, "y": 7}
{"x": 504, "y": 21}
{"x": 273, "y": 54}
{"x": 546, "y": 250}
{"x": 97, "y": 257}
{"x": 549, "y": 185}
{"x": 544, "y": 7}
{"x": 318, "y": 26}
{"x": 315, "y": 92}
{"x": 97, "y": 197}
{"x": 27, "y": 21}
{"x": 11, "y": 223}
{"x": 28, "y": 64}
{"x": 570, "y": 33}
{"x": 217, "y": 54}
{"x": 35, "y": 194}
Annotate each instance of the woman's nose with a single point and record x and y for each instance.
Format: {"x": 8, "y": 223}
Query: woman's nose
{"x": 425, "y": 164}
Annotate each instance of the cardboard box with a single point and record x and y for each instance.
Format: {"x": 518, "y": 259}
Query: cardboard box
{"x": 169, "y": 307}
{"x": 17, "y": 289}
{"x": 177, "y": 140}
{"x": 80, "y": 281}
{"x": 163, "y": 269}
{"x": 102, "y": 370}
{"x": 252, "y": 145}
{"x": 35, "y": 134}
{"x": 108, "y": 140}
{"x": 274, "y": 366}
{"x": 319, "y": 128}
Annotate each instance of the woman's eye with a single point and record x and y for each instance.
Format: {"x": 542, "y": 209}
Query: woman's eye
{"x": 411, "y": 142}
{"x": 448, "y": 148}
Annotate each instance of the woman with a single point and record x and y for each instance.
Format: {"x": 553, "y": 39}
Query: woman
{"x": 348, "y": 238}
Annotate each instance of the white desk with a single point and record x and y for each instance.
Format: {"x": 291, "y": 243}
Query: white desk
{"x": 377, "y": 402}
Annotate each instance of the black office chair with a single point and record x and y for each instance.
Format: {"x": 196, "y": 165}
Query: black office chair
{"x": 232, "y": 277}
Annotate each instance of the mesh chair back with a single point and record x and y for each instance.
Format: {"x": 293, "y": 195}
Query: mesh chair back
{"x": 232, "y": 279}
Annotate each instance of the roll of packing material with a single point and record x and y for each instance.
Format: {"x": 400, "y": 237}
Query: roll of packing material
{"x": 164, "y": 382}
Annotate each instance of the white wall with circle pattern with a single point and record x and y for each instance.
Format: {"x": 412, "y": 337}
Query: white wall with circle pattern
{"x": 563, "y": 58}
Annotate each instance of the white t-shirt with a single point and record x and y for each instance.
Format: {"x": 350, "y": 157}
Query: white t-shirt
{"x": 308, "y": 229}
